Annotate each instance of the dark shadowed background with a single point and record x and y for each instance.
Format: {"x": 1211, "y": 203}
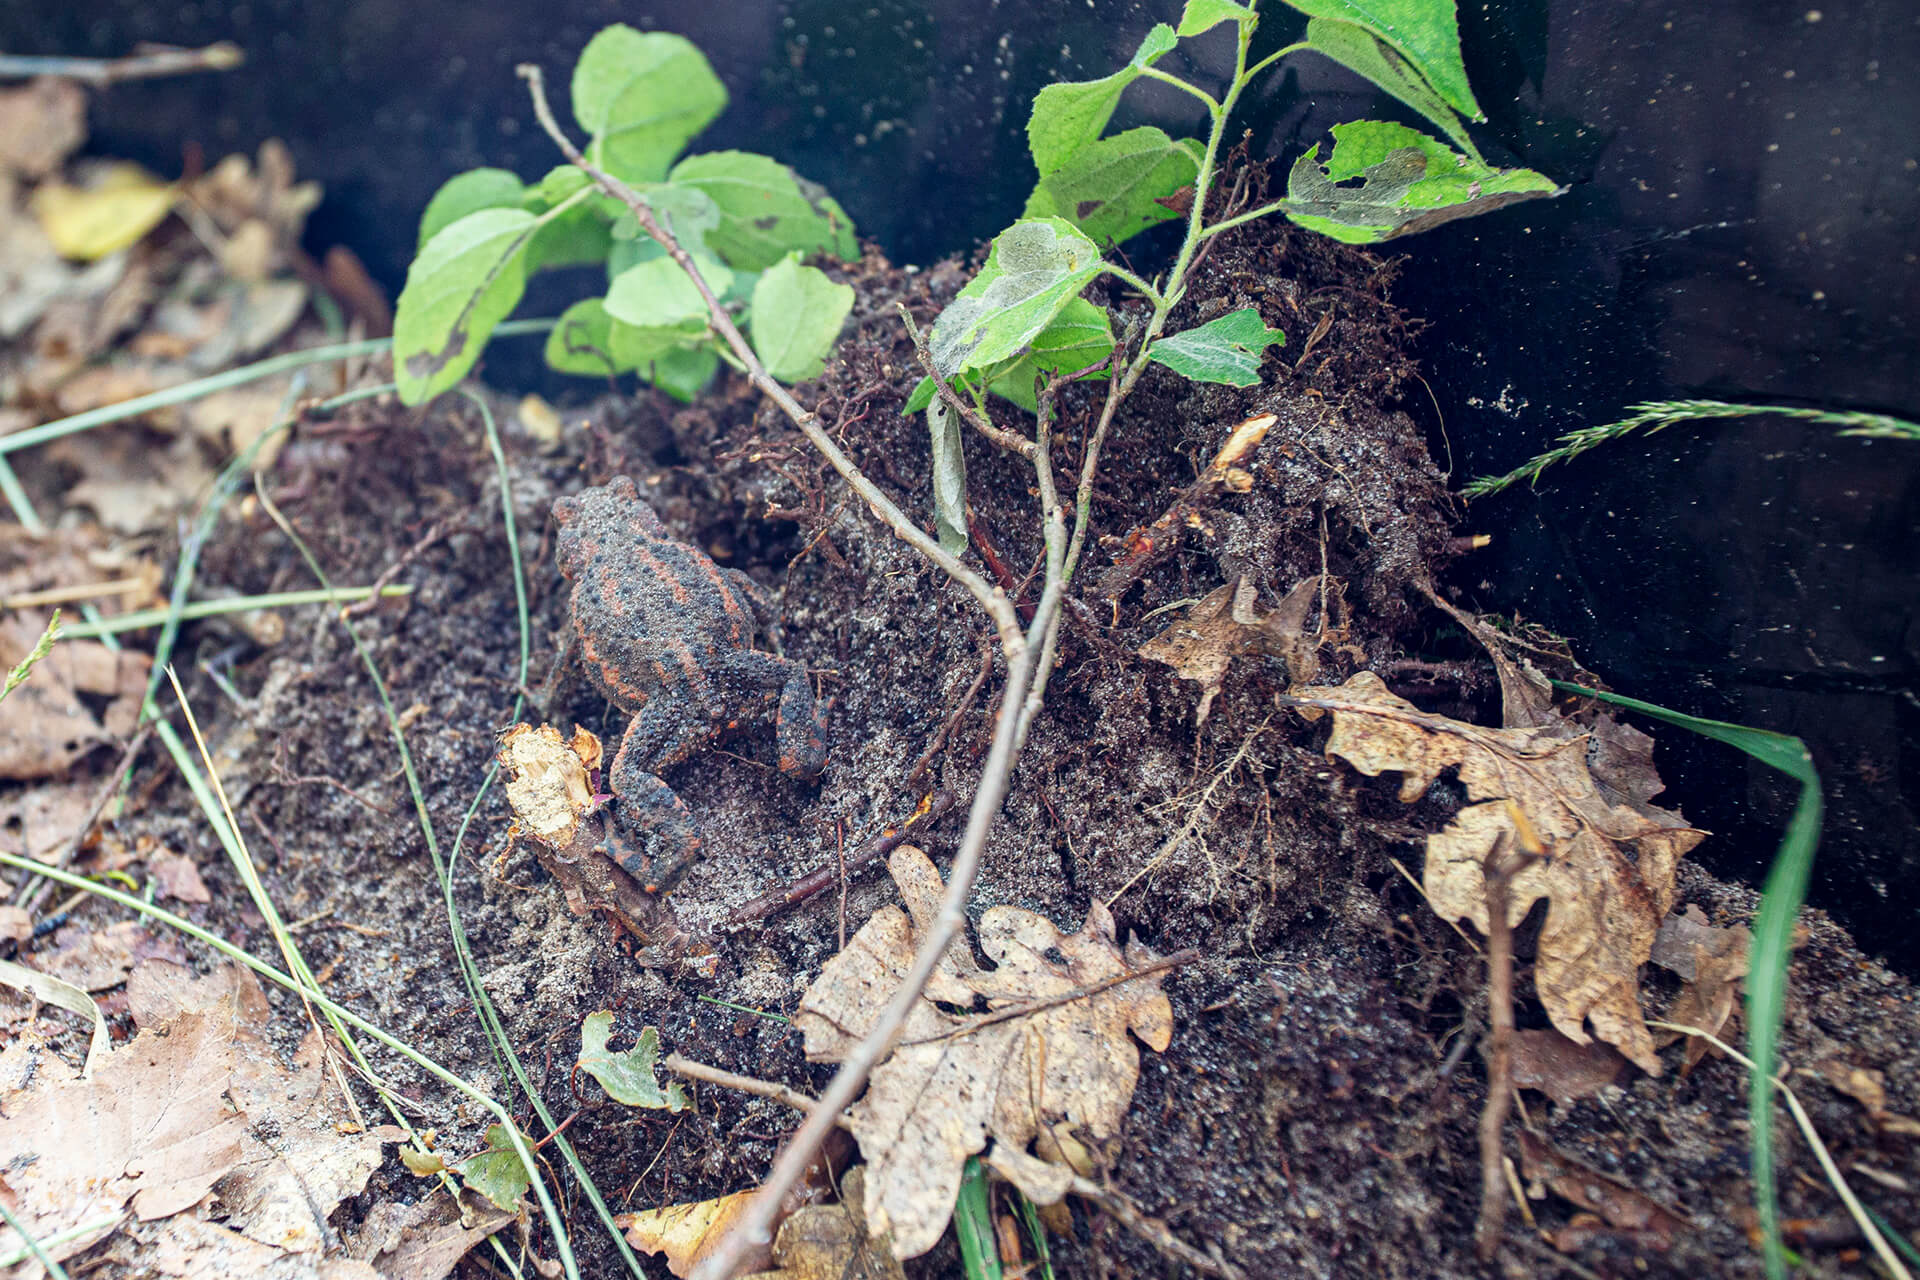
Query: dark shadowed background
{"x": 1744, "y": 190}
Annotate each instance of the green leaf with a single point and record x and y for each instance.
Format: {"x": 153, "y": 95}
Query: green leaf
{"x": 1408, "y": 182}
{"x": 554, "y": 187}
{"x": 1360, "y": 51}
{"x": 642, "y": 97}
{"x": 498, "y": 1172}
{"x": 766, "y": 211}
{"x": 949, "y": 478}
{"x": 466, "y": 193}
{"x": 1205, "y": 15}
{"x": 1036, "y": 267}
{"x": 682, "y": 372}
{"x": 1112, "y": 188}
{"x": 574, "y": 236}
{"x": 1081, "y": 335}
{"x": 1225, "y": 350}
{"x": 628, "y": 1077}
{"x": 657, "y": 294}
{"x": 797, "y": 314}
{"x": 1425, "y": 32}
{"x": 582, "y": 341}
{"x": 466, "y": 280}
{"x": 1067, "y": 117}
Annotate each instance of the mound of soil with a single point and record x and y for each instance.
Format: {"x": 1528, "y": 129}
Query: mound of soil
{"x": 1315, "y": 1113}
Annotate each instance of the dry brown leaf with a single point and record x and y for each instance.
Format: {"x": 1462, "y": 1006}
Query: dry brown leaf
{"x": 1624, "y": 1208}
{"x": 1604, "y": 905}
{"x": 1227, "y": 624}
{"x": 1544, "y": 1059}
{"x": 175, "y": 876}
{"x": 1711, "y": 963}
{"x": 16, "y": 923}
{"x": 153, "y": 1126}
{"x": 301, "y": 1155}
{"x": 424, "y": 1241}
{"x": 41, "y": 124}
{"x": 96, "y": 961}
{"x": 132, "y": 486}
{"x": 1054, "y": 1046}
{"x": 44, "y": 726}
{"x": 40, "y": 821}
{"x": 830, "y": 1241}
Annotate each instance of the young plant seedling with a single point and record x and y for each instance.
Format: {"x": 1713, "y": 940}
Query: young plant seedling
{"x": 747, "y": 220}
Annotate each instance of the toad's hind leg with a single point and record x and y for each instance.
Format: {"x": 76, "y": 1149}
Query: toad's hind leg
{"x": 801, "y": 736}
{"x": 648, "y": 811}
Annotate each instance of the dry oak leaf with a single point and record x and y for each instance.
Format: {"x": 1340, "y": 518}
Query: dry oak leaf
{"x": 1604, "y": 905}
{"x": 1051, "y": 1047}
{"x": 154, "y": 1125}
{"x": 1227, "y": 625}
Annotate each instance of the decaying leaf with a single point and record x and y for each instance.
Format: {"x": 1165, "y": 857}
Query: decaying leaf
{"x": 45, "y": 726}
{"x": 831, "y": 1241}
{"x": 1711, "y": 962}
{"x": 1227, "y": 624}
{"x": 1608, "y": 876}
{"x": 1052, "y": 1047}
{"x": 1544, "y": 1059}
{"x": 424, "y": 1240}
{"x": 1625, "y": 1210}
{"x": 153, "y": 1127}
{"x": 302, "y": 1153}
{"x": 687, "y": 1233}
{"x": 116, "y": 208}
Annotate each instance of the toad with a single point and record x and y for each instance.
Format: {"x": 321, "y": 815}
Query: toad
{"x": 667, "y": 635}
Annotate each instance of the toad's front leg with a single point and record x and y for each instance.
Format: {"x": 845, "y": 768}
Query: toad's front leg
{"x": 648, "y": 813}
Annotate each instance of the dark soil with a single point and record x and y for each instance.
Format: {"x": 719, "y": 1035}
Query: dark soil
{"x": 1307, "y": 1118}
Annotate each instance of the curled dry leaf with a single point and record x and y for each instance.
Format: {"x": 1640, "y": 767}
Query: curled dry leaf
{"x": 1608, "y": 876}
{"x": 1052, "y": 1047}
{"x": 1227, "y": 624}
{"x": 1711, "y": 963}
{"x": 1629, "y": 1212}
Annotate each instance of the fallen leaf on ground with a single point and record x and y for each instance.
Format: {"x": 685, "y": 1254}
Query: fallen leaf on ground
{"x": 1544, "y": 1059}
{"x": 152, "y": 1127}
{"x": 1711, "y": 963}
{"x": 1227, "y": 625}
{"x": 41, "y": 124}
{"x": 188, "y": 1245}
{"x": 96, "y": 960}
{"x": 176, "y": 877}
{"x": 1604, "y": 906}
{"x": 687, "y": 1233}
{"x": 1052, "y": 1047}
{"x": 116, "y": 206}
{"x": 41, "y": 820}
{"x": 424, "y": 1241}
{"x": 831, "y": 1241}
{"x": 1623, "y": 1208}
{"x": 44, "y": 725}
{"x": 64, "y": 995}
{"x": 627, "y": 1076}
{"x": 132, "y": 486}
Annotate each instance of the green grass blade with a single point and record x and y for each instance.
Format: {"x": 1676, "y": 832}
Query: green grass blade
{"x": 42, "y": 647}
{"x": 973, "y": 1224}
{"x": 1785, "y": 890}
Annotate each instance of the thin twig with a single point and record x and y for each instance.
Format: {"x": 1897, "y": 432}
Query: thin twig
{"x": 1005, "y": 620}
{"x": 162, "y": 60}
{"x": 745, "y": 1084}
{"x": 1502, "y": 864}
{"x": 1009, "y": 440}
